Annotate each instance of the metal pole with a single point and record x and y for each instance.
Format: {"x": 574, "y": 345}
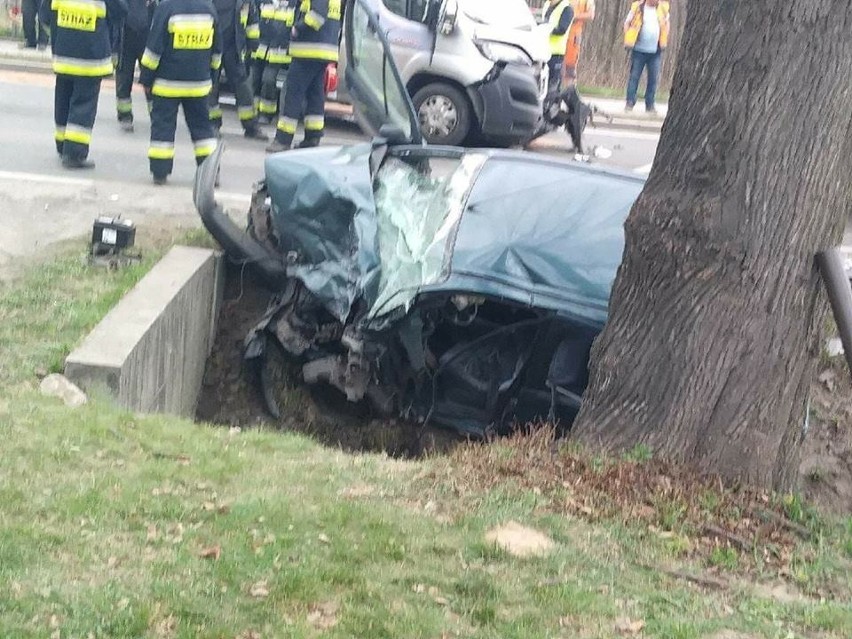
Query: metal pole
{"x": 830, "y": 264}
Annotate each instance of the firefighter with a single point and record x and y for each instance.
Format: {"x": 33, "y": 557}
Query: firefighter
{"x": 134, "y": 34}
{"x": 559, "y": 16}
{"x": 82, "y": 57}
{"x": 271, "y": 57}
{"x": 239, "y": 32}
{"x": 182, "y": 53}
{"x": 314, "y": 44}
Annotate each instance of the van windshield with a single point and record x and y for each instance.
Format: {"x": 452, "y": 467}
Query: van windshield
{"x": 513, "y": 14}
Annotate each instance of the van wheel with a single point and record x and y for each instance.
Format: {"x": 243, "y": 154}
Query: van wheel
{"x": 444, "y": 114}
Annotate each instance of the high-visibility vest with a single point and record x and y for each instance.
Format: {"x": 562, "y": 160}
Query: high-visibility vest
{"x": 559, "y": 42}
{"x": 634, "y": 23}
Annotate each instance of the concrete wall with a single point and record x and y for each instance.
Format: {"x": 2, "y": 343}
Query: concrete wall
{"x": 150, "y": 351}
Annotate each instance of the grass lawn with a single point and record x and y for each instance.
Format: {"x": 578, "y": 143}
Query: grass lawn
{"x": 618, "y": 93}
{"x": 116, "y": 525}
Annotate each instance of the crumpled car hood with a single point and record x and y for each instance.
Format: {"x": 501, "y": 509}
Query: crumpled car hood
{"x": 323, "y": 210}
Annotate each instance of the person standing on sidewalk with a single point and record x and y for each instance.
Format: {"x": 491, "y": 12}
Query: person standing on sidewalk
{"x": 584, "y": 11}
{"x": 181, "y": 55}
{"x": 82, "y": 57}
{"x": 134, "y": 35}
{"x": 314, "y": 43}
{"x": 646, "y": 35}
{"x": 35, "y": 31}
{"x": 559, "y": 17}
{"x": 239, "y": 30}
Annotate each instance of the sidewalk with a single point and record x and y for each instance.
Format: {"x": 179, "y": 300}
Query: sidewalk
{"x": 610, "y": 111}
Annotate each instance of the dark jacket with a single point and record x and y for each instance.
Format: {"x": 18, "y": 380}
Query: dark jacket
{"x": 183, "y": 49}
{"x": 80, "y": 33}
{"x": 317, "y": 30}
{"x": 238, "y": 23}
{"x": 276, "y": 21}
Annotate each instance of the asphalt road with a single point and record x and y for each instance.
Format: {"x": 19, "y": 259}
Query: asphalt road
{"x": 41, "y": 203}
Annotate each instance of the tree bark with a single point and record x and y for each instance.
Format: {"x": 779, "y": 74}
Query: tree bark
{"x": 716, "y": 312}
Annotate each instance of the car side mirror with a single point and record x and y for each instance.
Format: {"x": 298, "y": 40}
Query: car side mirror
{"x": 392, "y": 134}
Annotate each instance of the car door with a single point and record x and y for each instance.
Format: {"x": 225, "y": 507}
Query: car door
{"x": 373, "y": 79}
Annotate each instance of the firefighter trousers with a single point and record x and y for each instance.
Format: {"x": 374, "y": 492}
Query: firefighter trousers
{"x": 264, "y": 78}
{"x": 161, "y": 153}
{"x": 235, "y": 69}
{"x": 303, "y": 95}
{"x": 132, "y": 47}
{"x": 75, "y": 109}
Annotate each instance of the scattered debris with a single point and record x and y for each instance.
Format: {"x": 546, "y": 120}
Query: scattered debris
{"x": 57, "y": 385}
{"x": 519, "y": 540}
{"x": 213, "y": 552}
{"x": 602, "y": 153}
{"x": 259, "y": 590}
{"x": 628, "y": 627}
{"x": 834, "y": 347}
{"x": 323, "y": 616}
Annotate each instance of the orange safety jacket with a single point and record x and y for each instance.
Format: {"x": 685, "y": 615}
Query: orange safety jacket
{"x": 633, "y": 24}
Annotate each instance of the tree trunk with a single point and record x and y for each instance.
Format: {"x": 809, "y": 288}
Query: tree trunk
{"x": 716, "y": 313}
{"x": 604, "y": 61}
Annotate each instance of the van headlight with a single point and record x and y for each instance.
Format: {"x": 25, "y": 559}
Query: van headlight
{"x": 502, "y": 52}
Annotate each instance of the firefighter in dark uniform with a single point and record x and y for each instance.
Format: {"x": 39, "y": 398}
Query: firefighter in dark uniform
{"x": 271, "y": 57}
{"x": 313, "y": 44}
{"x": 82, "y": 57}
{"x": 134, "y": 34}
{"x": 239, "y": 31}
{"x": 182, "y": 54}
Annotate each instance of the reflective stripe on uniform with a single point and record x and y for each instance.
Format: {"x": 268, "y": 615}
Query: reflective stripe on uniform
{"x": 181, "y": 88}
{"x": 161, "y": 150}
{"x": 84, "y": 5}
{"x": 150, "y": 60}
{"x": 287, "y": 125}
{"x": 260, "y": 52}
{"x": 253, "y": 31}
{"x": 216, "y": 61}
{"x": 278, "y": 55}
{"x": 124, "y": 105}
{"x": 314, "y": 20}
{"x": 59, "y": 134}
{"x": 215, "y": 113}
{"x": 82, "y": 67}
{"x": 246, "y": 112}
{"x": 203, "y": 148}
{"x": 314, "y": 51}
{"x": 202, "y": 20}
{"x": 79, "y": 134}
{"x": 314, "y": 123}
{"x": 267, "y": 107}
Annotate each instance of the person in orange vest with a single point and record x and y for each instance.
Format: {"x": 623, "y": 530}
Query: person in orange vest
{"x": 584, "y": 11}
{"x": 646, "y": 35}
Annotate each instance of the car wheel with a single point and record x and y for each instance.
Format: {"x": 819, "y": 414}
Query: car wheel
{"x": 444, "y": 114}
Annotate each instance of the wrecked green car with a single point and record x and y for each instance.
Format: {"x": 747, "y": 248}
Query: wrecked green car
{"x": 447, "y": 286}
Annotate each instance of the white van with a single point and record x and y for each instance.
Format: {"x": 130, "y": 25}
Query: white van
{"x": 476, "y": 70}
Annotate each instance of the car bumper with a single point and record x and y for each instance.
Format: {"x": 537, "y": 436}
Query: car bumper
{"x": 508, "y": 103}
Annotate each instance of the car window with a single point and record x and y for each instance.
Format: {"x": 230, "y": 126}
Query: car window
{"x": 397, "y": 6}
{"x": 412, "y": 9}
{"x": 378, "y": 93}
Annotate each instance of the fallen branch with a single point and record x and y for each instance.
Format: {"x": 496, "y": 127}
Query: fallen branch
{"x": 739, "y": 542}
{"x": 701, "y": 580}
{"x": 783, "y": 522}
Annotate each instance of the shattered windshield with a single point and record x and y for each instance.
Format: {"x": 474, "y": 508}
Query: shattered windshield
{"x": 418, "y": 206}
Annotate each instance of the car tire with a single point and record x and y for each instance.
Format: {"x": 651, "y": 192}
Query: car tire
{"x": 444, "y": 114}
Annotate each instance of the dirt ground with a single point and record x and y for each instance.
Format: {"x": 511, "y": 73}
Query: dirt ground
{"x": 230, "y": 396}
